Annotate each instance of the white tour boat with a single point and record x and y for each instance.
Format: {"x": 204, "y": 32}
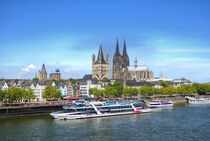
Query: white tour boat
{"x": 99, "y": 109}
{"x": 159, "y": 104}
{"x": 192, "y": 100}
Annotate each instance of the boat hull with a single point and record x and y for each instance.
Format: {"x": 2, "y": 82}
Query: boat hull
{"x": 67, "y": 116}
{"x": 160, "y": 106}
{"x": 198, "y": 101}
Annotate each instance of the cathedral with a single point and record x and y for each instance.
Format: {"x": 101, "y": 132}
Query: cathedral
{"x": 100, "y": 67}
{"x": 121, "y": 68}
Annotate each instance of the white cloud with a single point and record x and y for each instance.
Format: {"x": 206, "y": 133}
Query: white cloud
{"x": 67, "y": 70}
{"x": 30, "y": 67}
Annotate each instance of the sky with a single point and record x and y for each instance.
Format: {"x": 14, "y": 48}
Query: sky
{"x": 169, "y": 37}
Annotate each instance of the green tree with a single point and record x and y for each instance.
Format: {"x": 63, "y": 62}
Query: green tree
{"x": 31, "y": 94}
{"x": 2, "y": 95}
{"x": 132, "y": 92}
{"x": 146, "y": 90}
{"x": 163, "y": 83}
{"x": 62, "y": 80}
{"x": 74, "y": 81}
{"x": 51, "y": 92}
{"x": 156, "y": 91}
{"x": 135, "y": 92}
{"x": 35, "y": 79}
{"x": 7, "y": 81}
{"x": 13, "y": 94}
{"x": 110, "y": 91}
{"x": 28, "y": 94}
{"x": 119, "y": 88}
{"x": 100, "y": 93}
{"x": 96, "y": 92}
{"x": 203, "y": 88}
{"x": 186, "y": 89}
{"x": 91, "y": 91}
{"x": 167, "y": 90}
{"x": 125, "y": 92}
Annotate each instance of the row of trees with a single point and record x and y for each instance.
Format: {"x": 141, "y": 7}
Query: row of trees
{"x": 15, "y": 95}
{"x": 166, "y": 89}
{"x": 183, "y": 89}
{"x": 117, "y": 90}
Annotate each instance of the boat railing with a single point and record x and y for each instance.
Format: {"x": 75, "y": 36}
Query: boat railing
{"x": 134, "y": 108}
{"x": 190, "y": 98}
{"x": 96, "y": 109}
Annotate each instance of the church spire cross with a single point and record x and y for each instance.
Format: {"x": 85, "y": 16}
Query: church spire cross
{"x": 135, "y": 62}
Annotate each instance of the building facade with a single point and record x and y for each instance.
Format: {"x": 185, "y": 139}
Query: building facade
{"x": 63, "y": 90}
{"x": 70, "y": 88}
{"x": 139, "y": 73}
{"x": 38, "y": 91}
{"x": 100, "y": 67}
{"x": 43, "y": 74}
{"x": 56, "y": 75}
{"x": 84, "y": 88}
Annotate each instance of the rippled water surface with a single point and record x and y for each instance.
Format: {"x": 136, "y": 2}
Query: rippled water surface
{"x": 179, "y": 123}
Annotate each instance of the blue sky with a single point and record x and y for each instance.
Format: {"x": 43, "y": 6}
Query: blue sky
{"x": 170, "y": 37}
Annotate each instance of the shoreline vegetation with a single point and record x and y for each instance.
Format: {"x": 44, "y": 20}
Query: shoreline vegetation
{"x": 15, "y": 99}
{"x": 163, "y": 89}
{"x": 18, "y": 96}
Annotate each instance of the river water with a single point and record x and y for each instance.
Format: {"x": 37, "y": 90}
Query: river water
{"x": 183, "y": 122}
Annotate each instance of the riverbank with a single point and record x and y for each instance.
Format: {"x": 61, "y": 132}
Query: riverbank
{"x": 18, "y": 111}
{"x": 9, "y": 111}
{"x": 176, "y": 98}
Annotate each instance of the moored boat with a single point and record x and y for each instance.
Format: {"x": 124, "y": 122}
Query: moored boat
{"x": 100, "y": 109}
{"x": 192, "y": 100}
{"x": 159, "y": 104}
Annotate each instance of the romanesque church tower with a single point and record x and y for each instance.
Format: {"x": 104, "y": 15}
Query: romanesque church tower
{"x": 100, "y": 67}
{"x": 43, "y": 74}
{"x": 119, "y": 62}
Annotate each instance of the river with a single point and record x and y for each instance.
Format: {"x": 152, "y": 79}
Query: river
{"x": 182, "y": 122}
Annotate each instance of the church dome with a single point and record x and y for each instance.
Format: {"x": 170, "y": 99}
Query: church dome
{"x": 57, "y": 70}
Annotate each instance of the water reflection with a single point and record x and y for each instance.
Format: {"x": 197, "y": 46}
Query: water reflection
{"x": 178, "y": 123}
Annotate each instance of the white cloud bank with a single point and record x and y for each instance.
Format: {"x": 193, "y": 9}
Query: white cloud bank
{"x": 30, "y": 68}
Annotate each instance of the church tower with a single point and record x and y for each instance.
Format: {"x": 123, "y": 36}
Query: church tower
{"x": 125, "y": 58}
{"x": 43, "y": 74}
{"x": 100, "y": 67}
{"x": 117, "y": 64}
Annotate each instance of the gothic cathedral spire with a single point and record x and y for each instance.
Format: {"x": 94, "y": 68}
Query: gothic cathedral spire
{"x": 125, "y": 58}
{"x": 117, "y": 52}
{"x": 117, "y": 63}
{"x": 124, "y": 49}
